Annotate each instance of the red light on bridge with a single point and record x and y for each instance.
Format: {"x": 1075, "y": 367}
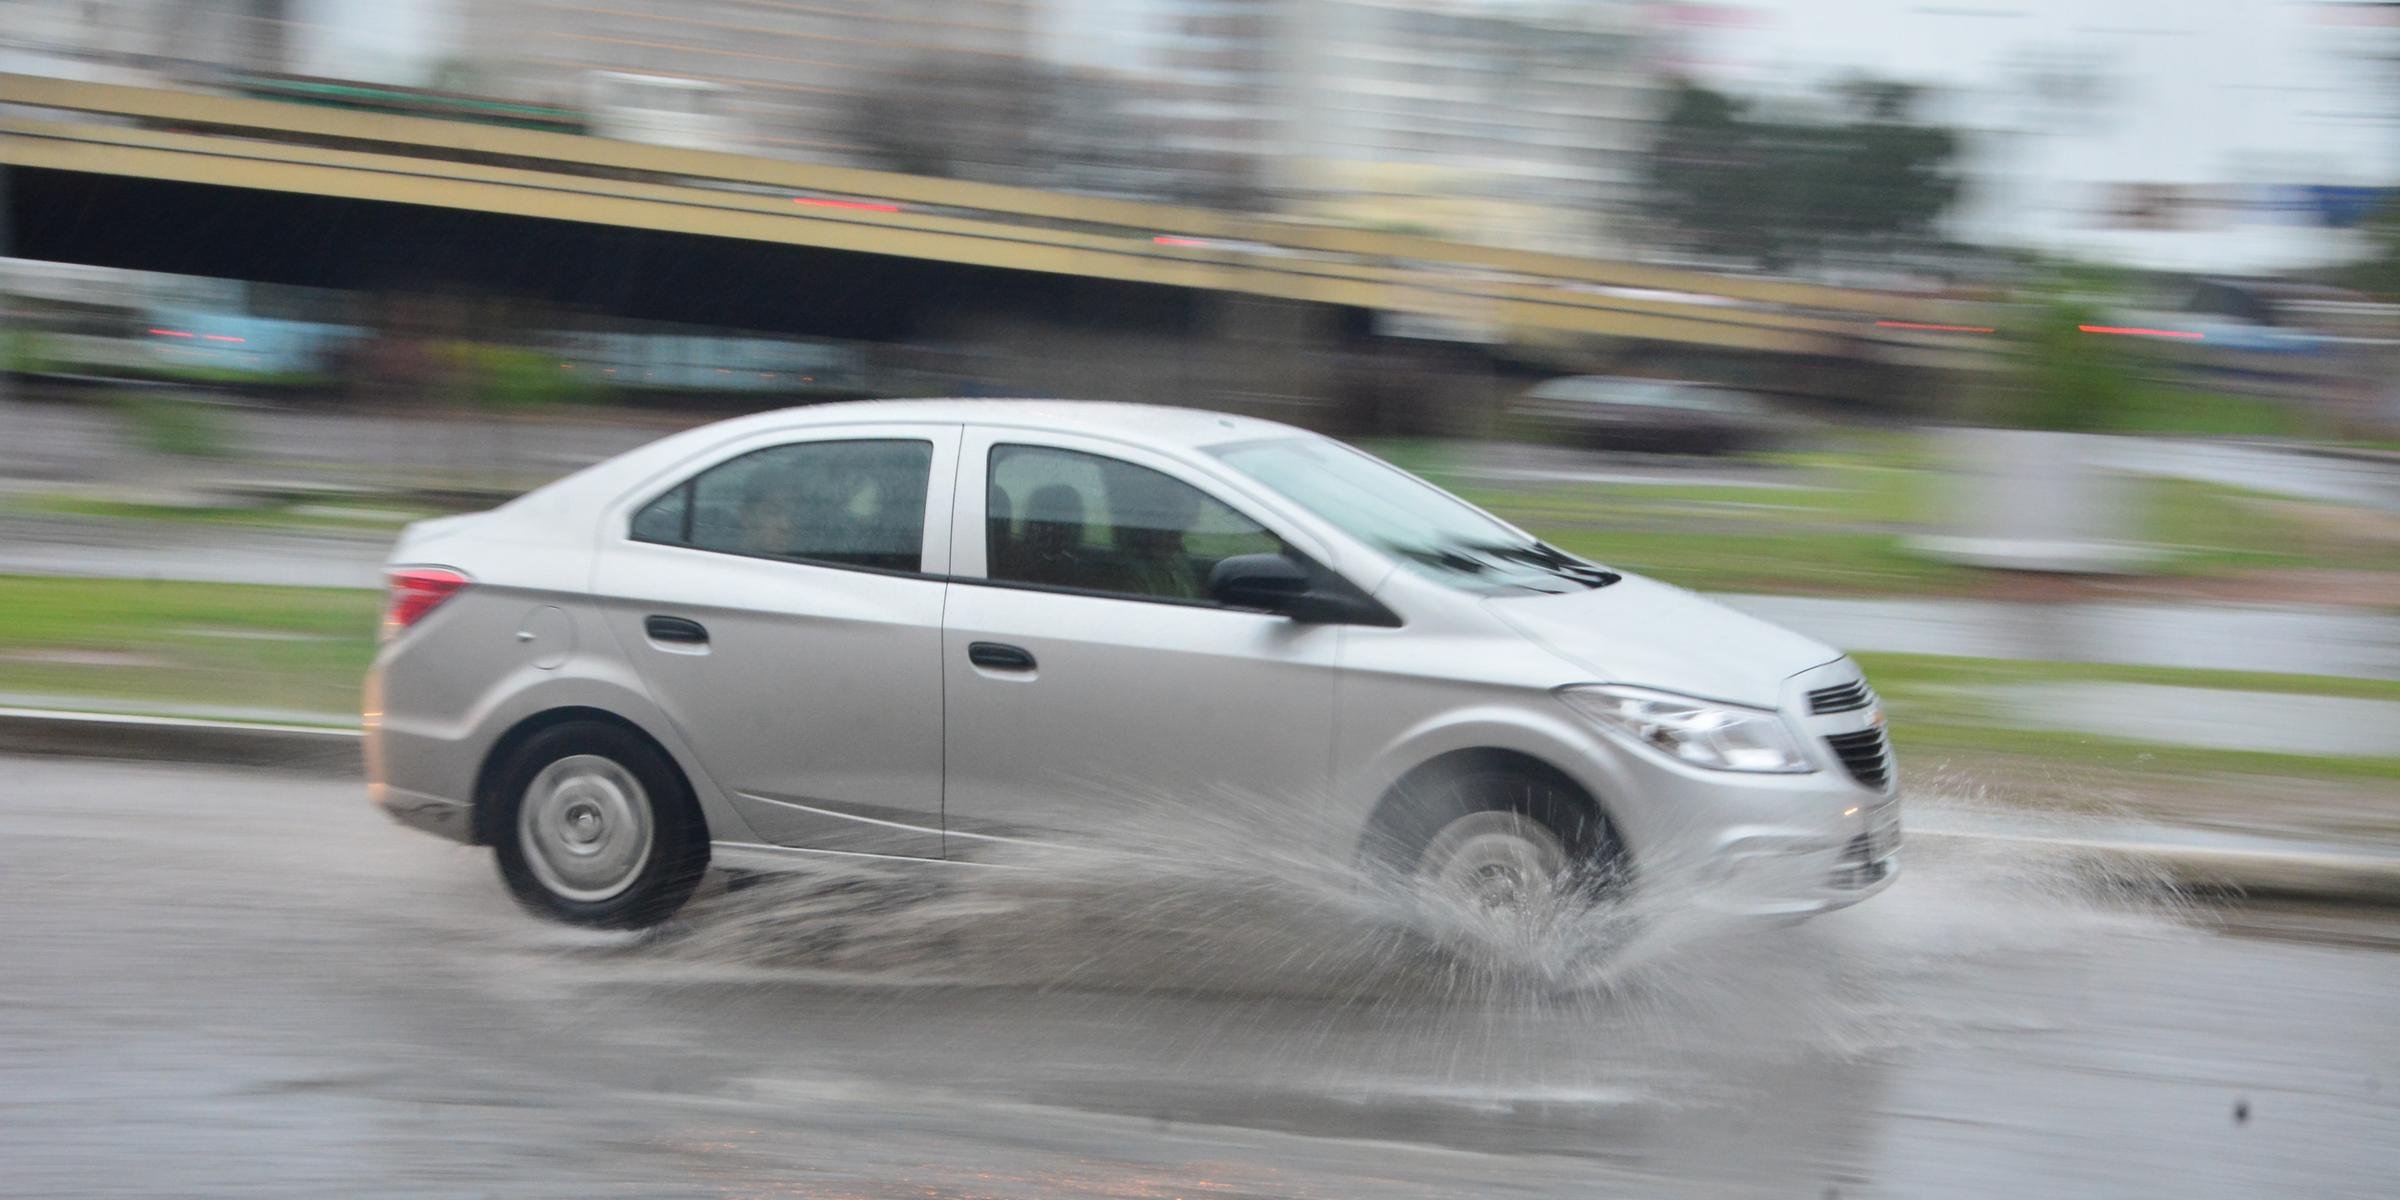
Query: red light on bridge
{"x": 222, "y": 337}
{"x": 181, "y": 333}
{"x": 1934, "y": 327}
{"x": 853, "y": 205}
{"x": 1171, "y": 240}
{"x": 2138, "y": 331}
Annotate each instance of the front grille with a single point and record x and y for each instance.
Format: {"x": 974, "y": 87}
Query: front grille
{"x": 1841, "y": 697}
{"x": 1866, "y": 754}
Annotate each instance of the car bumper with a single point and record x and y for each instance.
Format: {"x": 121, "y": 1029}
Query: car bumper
{"x": 433, "y": 814}
{"x": 1799, "y": 876}
{"x": 1774, "y": 846}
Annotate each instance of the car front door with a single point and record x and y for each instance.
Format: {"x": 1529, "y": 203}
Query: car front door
{"x": 1091, "y": 685}
{"x": 782, "y": 600}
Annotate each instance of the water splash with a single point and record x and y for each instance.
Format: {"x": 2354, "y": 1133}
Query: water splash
{"x": 1219, "y": 962}
{"x": 1228, "y": 894}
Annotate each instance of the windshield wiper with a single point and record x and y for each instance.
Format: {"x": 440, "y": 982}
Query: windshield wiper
{"x": 1448, "y": 559}
{"x": 1556, "y": 561}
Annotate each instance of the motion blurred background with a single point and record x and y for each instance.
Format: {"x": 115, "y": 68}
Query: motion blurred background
{"x": 2038, "y": 352}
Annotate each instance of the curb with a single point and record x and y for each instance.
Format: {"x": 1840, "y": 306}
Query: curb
{"x": 2212, "y": 870}
{"x": 2253, "y": 873}
{"x": 306, "y": 748}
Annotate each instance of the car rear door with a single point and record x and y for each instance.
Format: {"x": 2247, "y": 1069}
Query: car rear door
{"x": 1090, "y": 685}
{"x": 781, "y": 598}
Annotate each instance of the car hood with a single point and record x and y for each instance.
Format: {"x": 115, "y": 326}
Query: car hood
{"x": 1640, "y": 631}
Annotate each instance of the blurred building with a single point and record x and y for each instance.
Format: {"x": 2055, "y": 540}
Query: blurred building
{"x": 1511, "y": 121}
{"x": 141, "y": 41}
{"x": 788, "y": 69}
{"x": 1217, "y": 64}
{"x": 1508, "y": 121}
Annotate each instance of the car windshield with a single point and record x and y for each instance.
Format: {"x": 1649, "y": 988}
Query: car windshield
{"x": 1426, "y": 528}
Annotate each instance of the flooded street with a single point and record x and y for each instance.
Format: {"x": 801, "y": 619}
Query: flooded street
{"x": 235, "y": 984}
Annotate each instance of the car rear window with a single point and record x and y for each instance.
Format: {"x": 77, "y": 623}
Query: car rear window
{"x": 840, "y": 503}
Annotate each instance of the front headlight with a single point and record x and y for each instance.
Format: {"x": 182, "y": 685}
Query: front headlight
{"x": 1704, "y": 733}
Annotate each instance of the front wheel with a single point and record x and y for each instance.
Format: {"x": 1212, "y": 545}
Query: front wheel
{"x": 1505, "y": 861}
{"x": 1509, "y": 837}
{"x": 597, "y": 828}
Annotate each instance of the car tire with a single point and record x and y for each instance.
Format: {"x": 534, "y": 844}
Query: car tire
{"x": 1511, "y": 837}
{"x": 596, "y": 827}
{"x": 1494, "y": 859}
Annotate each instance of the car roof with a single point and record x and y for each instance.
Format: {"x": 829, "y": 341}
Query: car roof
{"x": 1154, "y": 424}
{"x": 1176, "y": 430}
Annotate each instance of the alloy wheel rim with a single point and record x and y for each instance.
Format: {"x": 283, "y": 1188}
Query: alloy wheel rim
{"x": 586, "y": 828}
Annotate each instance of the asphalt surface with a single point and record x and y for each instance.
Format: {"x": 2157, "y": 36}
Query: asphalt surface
{"x": 221, "y": 983}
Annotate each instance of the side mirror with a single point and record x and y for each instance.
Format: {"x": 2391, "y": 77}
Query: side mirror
{"x": 1273, "y": 583}
{"x": 1268, "y": 581}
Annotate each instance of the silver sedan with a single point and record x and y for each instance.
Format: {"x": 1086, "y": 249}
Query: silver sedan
{"x": 928, "y": 629}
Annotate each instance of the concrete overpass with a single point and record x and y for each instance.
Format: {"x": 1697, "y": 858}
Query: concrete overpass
{"x": 233, "y": 187}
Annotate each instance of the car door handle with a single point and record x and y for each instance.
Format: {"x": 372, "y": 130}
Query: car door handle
{"x": 1000, "y": 656}
{"x": 675, "y": 629}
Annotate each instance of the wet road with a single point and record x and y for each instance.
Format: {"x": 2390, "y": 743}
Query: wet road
{"x": 225, "y": 983}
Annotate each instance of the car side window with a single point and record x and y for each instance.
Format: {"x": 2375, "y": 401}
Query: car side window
{"x": 841, "y": 503}
{"x": 1063, "y": 518}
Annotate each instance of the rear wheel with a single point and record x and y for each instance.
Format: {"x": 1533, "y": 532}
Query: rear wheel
{"x": 597, "y": 828}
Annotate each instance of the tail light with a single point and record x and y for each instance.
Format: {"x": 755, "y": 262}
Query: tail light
{"x": 415, "y": 592}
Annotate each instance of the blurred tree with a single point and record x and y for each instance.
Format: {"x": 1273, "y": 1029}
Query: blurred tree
{"x": 957, "y": 120}
{"x": 1705, "y": 175}
{"x": 1733, "y": 183}
{"x": 2067, "y": 379}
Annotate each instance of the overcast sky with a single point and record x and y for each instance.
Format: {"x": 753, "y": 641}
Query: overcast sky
{"x": 2203, "y": 90}
{"x": 2192, "y": 92}
{"x": 389, "y": 41}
